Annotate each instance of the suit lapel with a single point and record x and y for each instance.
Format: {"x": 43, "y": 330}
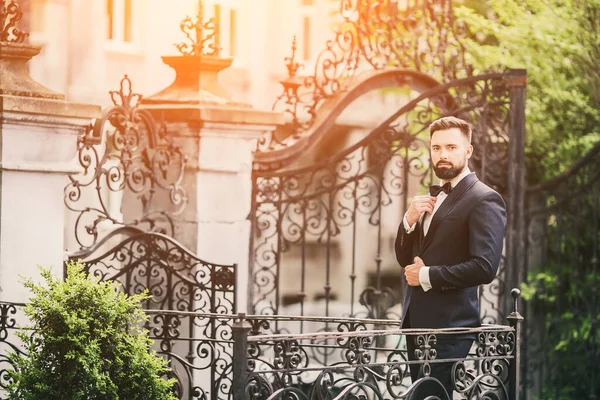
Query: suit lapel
{"x": 463, "y": 186}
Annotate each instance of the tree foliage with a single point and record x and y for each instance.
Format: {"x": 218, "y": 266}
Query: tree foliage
{"x": 560, "y": 292}
{"x": 557, "y": 42}
{"x": 88, "y": 343}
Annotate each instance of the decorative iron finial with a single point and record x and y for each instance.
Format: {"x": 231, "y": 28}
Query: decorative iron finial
{"x": 290, "y": 62}
{"x": 206, "y": 40}
{"x": 124, "y": 97}
{"x": 515, "y": 293}
{"x": 10, "y": 13}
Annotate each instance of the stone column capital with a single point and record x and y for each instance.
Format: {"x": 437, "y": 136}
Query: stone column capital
{"x": 196, "y": 81}
{"x": 14, "y": 78}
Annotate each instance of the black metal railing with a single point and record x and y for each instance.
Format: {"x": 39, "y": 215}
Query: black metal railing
{"x": 207, "y": 371}
{"x": 248, "y": 359}
{"x": 199, "y": 346}
{"x": 200, "y": 358}
{"x": 283, "y": 366}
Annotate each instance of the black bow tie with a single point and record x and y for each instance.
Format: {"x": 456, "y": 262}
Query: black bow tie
{"x": 434, "y": 190}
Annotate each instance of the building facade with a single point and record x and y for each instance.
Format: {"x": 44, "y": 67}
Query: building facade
{"x": 89, "y": 44}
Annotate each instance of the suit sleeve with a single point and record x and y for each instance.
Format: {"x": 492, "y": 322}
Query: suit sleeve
{"x": 404, "y": 245}
{"x": 487, "y": 224}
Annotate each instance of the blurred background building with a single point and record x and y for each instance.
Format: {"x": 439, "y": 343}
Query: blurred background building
{"x": 88, "y": 46}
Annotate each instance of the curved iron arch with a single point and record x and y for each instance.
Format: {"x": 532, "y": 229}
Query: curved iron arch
{"x": 333, "y": 107}
{"x": 428, "y": 87}
{"x": 419, "y": 35}
{"x": 159, "y": 259}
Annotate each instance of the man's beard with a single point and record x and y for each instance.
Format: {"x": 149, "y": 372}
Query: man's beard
{"x": 446, "y": 172}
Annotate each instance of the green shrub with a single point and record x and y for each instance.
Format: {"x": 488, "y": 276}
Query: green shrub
{"x": 89, "y": 344}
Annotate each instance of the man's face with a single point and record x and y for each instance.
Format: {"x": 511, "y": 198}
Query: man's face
{"x": 450, "y": 151}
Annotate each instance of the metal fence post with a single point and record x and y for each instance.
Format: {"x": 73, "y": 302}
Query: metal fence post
{"x": 240, "y": 329}
{"x": 516, "y": 80}
{"x": 514, "y": 319}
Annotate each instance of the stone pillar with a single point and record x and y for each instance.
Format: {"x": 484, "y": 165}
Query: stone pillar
{"x": 219, "y": 137}
{"x": 38, "y": 142}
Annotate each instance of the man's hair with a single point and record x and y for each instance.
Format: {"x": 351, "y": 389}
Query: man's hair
{"x": 448, "y": 123}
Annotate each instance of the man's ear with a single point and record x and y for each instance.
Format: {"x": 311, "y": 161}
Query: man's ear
{"x": 469, "y": 151}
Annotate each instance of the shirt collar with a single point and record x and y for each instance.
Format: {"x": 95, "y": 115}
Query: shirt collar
{"x": 458, "y": 178}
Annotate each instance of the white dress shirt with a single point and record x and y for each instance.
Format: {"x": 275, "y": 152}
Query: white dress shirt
{"x": 424, "y": 280}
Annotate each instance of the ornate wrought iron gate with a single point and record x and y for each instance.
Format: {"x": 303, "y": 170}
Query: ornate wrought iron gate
{"x": 126, "y": 201}
{"x": 324, "y": 220}
{"x": 131, "y": 173}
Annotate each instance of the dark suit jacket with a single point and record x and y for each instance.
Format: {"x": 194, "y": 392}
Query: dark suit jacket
{"x": 462, "y": 248}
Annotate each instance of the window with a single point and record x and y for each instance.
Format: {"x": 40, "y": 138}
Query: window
{"x": 219, "y": 32}
{"x": 306, "y": 37}
{"x": 37, "y": 16}
{"x": 119, "y": 17}
{"x": 225, "y": 16}
{"x": 309, "y": 20}
{"x": 127, "y": 35}
{"x": 232, "y": 32}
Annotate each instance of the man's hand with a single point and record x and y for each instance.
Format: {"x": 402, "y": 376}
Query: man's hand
{"x": 418, "y": 206}
{"x": 411, "y": 272}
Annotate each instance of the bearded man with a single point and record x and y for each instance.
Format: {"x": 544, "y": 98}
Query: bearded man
{"x": 449, "y": 243}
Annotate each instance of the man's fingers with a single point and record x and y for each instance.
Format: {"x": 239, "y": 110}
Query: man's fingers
{"x": 424, "y": 204}
{"x": 424, "y": 199}
{"x": 428, "y": 202}
{"x": 428, "y": 199}
{"x": 421, "y": 204}
{"x": 425, "y": 208}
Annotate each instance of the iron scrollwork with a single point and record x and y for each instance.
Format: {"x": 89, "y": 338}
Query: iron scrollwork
{"x": 131, "y": 169}
{"x": 384, "y": 377}
{"x": 10, "y": 14}
{"x": 423, "y": 36}
{"x": 206, "y": 35}
{"x": 182, "y": 287}
{"x": 174, "y": 277}
{"x": 12, "y": 318}
{"x": 199, "y": 348}
{"x": 279, "y": 366}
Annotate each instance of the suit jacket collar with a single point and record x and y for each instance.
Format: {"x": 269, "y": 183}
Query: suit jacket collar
{"x": 461, "y": 188}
